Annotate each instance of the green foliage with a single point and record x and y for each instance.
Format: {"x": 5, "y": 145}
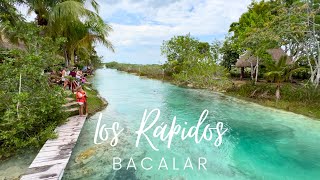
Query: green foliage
{"x": 80, "y": 26}
{"x": 95, "y": 102}
{"x": 294, "y": 97}
{"x": 30, "y": 112}
{"x": 112, "y": 65}
{"x": 87, "y": 58}
{"x": 27, "y": 119}
{"x": 191, "y": 62}
{"x": 257, "y": 16}
{"x": 230, "y": 54}
{"x": 278, "y": 71}
{"x": 151, "y": 70}
{"x": 253, "y": 33}
{"x": 74, "y": 21}
{"x": 290, "y": 92}
{"x": 204, "y": 75}
{"x": 215, "y": 49}
{"x": 183, "y": 51}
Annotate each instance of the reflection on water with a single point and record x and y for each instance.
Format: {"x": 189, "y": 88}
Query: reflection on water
{"x": 261, "y": 143}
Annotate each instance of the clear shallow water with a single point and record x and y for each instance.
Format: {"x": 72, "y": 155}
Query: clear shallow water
{"x": 261, "y": 143}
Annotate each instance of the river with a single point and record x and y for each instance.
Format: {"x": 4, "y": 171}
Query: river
{"x": 261, "y": 142}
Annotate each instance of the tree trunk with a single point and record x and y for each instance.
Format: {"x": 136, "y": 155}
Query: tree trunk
{"x": 317, "y": 77}
{"x": 66, "y": 57}
{"x": 257, "y": 71}
{"x": 242, "y": 73}
{"x": 72, "y": 62}
{"x": 317, "y": 62}
{"x": 278, "y": 96}
{"x": 252, "y": 71}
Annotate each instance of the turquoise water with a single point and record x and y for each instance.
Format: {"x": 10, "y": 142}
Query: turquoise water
{"x": 261, "y": 143}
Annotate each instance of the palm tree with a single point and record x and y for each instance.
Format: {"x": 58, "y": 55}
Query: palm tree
{"x": 8, "y": 18}
{"x": 279, "y": 72}
{"x": 72, "y": 20}
{"x": 42, "y": 8}
{"x": 80, "y": 26}
{"x": 63, "y": 18}
{"x": 8, "y": 12}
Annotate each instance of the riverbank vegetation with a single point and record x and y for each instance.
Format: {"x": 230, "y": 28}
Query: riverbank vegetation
{"x": 31, "y": 53}
{"x": 95, "y": 102}
{"x": 271, "y": 56}
{"x": 155, "y": 71}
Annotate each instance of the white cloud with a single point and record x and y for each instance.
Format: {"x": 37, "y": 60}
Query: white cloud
{"x": 23, "y": 9}
{"x": 162, "y": 21}
{"x": 153, "y": 21}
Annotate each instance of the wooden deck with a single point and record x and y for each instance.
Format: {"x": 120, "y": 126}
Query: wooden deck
{"x": 54, "y": 156}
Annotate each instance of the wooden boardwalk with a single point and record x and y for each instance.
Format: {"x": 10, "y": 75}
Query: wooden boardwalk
{"x": 54, "y": 156}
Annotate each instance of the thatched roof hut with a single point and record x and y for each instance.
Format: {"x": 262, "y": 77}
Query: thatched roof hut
{"x": 248, "y": 60}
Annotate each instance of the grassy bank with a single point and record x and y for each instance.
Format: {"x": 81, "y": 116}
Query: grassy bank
{"x": 95, "y": 101}
{"x": 295, "y": 98}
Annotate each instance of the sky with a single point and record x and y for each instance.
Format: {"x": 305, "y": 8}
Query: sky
{"x": 140, "y": 26}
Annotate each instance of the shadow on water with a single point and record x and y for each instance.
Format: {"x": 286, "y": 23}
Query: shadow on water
{"x": 123, "y": 173}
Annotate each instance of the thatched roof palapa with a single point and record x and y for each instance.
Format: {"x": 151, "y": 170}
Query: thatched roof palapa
{"x": 246, "y": 60}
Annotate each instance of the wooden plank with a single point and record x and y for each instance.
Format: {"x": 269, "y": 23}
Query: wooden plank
{"x": 70, "y": 99}
{"x": 54, "y": 156}
{"x": 70, "y": 104}
{"x": 72, "y": 109}
{"x": 48, "y": 163}
{"x": 61, "y": 142}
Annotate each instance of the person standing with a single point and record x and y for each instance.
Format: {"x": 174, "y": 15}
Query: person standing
{"x": 78, "y": 75}
{"x": 81, "y": 99}
{"x": 64, "y": 80}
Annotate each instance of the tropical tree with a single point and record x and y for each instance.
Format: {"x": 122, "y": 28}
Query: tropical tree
{"x": 215, "y": 49}
{"x": 30, "y": 107}
{"x": 81, "y": 27}
{"x": 72, "y": 20}
{"x": 297, "y": 25}
{"x": 280, "y": 71}
{"x": 8, "y": 12}
{"x": 229, "y": 53}
{"x": 42, "y": 8}
{"x": 8, "y": 18}
{"x": 184, "y": 51}
{"x": 251, "y": 32}
{"x": 257, "y": 16}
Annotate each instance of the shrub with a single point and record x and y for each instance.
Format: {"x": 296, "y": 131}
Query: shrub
{"x": 29, "y": 112}
{"x": 112, "y": 65}
{"x": 204, "y": 75}
{"x": 27, "y": 119}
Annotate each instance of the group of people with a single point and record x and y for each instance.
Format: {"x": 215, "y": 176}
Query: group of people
{"x": 78, "y": 78}
{"x": 74, "y": 79}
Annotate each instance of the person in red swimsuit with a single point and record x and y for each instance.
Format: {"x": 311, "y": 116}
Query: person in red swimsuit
{"x": 81, "y": 99}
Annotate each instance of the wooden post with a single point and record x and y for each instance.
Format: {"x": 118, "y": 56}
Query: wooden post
{"x": 257, "y": 70}
{"x": 18, "y": 104}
